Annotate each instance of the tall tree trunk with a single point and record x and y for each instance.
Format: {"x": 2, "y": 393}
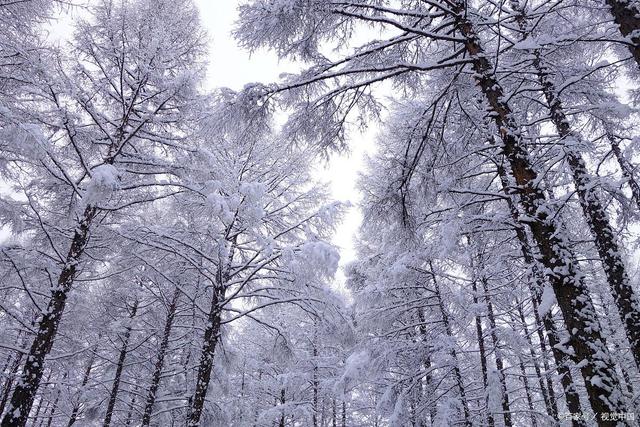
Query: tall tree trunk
{"x": 211, "y": 336}
{"x": 561, "y": 359}
{"x": 334, "y": 413}
{"x": 454, "y": 355}
{"x": 587, "y": 340}
{"x": 551, "y": 411}
{"x": 157, "y": 371}
{"x": 282, "y": 402}
{"x": 628, "y": 19}
{"x": 85, "y": 380}
{"x": 132, "y": 403}
{"x": 527, "y": 391}
{"x": 627, "y": 301}
{"x": 315, "y": 384}
{"x": 6, "y": 388}
{"x": 426, "y": 365}
{"x": 627, "y": 170}
{"x": 41, "y": 398}
{"x": 119, "y": 367}
{"x": 47, "y": 328}
{"x": 506, "y": 409}
{"x": 54, "y": 406}
{"x": 483, "y": 357}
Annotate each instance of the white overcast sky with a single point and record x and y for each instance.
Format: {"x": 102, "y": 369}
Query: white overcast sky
{"x": 230, "y": 66}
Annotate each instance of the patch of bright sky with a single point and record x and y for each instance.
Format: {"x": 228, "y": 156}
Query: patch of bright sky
{"x": 230, "y": 66}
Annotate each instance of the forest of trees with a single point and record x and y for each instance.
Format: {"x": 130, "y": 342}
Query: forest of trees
{"x": 167, "y": 252}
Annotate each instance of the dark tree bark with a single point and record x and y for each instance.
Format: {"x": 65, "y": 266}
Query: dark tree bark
{"x": 119, "y": 367}
{"x": 85, "y": 380}
{"x": 627, "y": 170}
{"x": 627, "y": 301}
{"x": 551, "y": 410}
{"x": 282, "y": 402}
{"x": 334, "y": 413}
{"x": 561, "y": 359}
{"x": 527, "y": 391}
{"x": 426, "y": 365}
{"x": 506, "y": 409}
{"x": 157, "y": 371}
{"x": 628, "y": 19}
{"x": 211, "y": 337}
{"x": 587, "y": 340}
{"x": 47, "y": 328}
{"x": 54, "y": 406}
{"x": 315, "y": 384}
{"x": 132, "y": 403}
{"x": 6, "y": 388}
{"x": 483, "y": 357}
{"x": 456, "y": 366}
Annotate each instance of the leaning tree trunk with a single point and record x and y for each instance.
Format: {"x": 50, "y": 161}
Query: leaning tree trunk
{"x": 120, "y": 366}
{"x": 47, "y": 328}
{"x": 561, "y": 359}
{"x": 628, "y": 19}
{"x": 627, "y": 301}
{"x": 587, "y": 340}
{"x": 157, "y": 371}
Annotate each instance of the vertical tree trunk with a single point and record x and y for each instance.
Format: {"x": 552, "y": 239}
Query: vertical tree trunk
{"x": 119, "y": 367}
{"x": 561, "y": 359}
{"x": 506, "y": 410}
{"x": 211, "y": 336}
{"x": 6, "y": 388}
{"x": 426, "y": 365}
{"x": 587, "y": 340}
{"x": 551, "y": 411}
{"x": 527, "y": 390}
{"x": 627, "y": 301}
{"x": 157, "y": 371}
{"x": 54, "y": 406}
{"x": 282, "y": 402}
{"x": 85, "y": 380}
{"x": 47, "y": 329}
{"x": 628, "y": 19}
{"x": 454, "y": 356}
{"x": 627, "y": 170}
{"x": 334, "y": 413}
{"x": 132, "y": 402}
{"x": 483, "y": 357}
{"x": 314, "y": 381}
